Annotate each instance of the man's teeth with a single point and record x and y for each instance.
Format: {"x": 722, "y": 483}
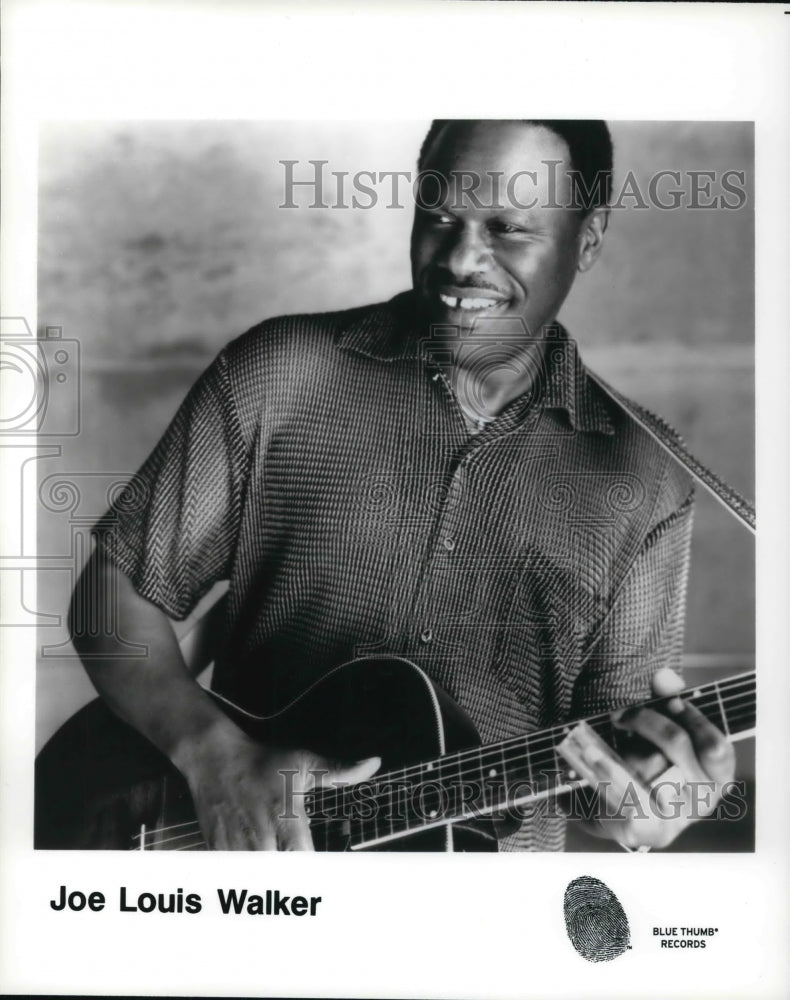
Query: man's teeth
{"x": 455, "y": 303}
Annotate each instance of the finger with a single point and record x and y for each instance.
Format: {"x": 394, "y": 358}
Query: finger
{"x": 629, "y": 833}
{"x": 665, "y": 683}
{"x": 250, "y": 835}
{"x": 214, "y": 833}
{"x": 257, "y": 833}
{"x": 267, "y": 841}
{"x": 625, "y": 797}
{"x": 239, "y": 835}
{"x": 672, "y": 740}
{"x": 246, "y": 833}
{"x": 641, "y": 829}
{"x": 294, "y": 835}
{"x": 360, "y": 771}
{"x": 713, "y": 750}
{"x": 646, "y": 768}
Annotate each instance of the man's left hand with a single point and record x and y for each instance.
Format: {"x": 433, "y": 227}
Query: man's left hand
{"x": 682, "y": 768}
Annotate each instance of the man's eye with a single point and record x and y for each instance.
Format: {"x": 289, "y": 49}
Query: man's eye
{"x": 505, "y": 229}
{"x": 441, "y": 220}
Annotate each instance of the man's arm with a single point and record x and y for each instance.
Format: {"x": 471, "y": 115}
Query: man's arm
{"x": 631, "y": 661}
{"x": 236, "y": 783}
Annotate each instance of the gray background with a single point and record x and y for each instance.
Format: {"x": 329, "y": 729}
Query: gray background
{"x": 159, "y": 241}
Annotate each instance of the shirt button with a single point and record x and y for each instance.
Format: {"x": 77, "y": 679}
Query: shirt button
{"x": 426, "y": 635}
{"x": 448, "y": 543}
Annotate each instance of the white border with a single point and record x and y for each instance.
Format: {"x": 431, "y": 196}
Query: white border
{"x": 397, "y": 926}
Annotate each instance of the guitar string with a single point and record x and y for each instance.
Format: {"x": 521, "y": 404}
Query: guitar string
{"x": 166, "y": 829}
{"x": 360, "y": 832}
{"x": 170, "y": 840}
{"x": 531, "y": 743}
{"x": 549, "y": 758}
{"x": 499, "y": 751}
{"x": 444, "y": 765}
{"x": 359, "y": 836}
{"x": 548, "y": 735}
{"x": 379, "y": 799}
{"x": 366, "y": 824}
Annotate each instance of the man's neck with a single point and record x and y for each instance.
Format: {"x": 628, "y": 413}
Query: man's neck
{"x": 487, "y": 380}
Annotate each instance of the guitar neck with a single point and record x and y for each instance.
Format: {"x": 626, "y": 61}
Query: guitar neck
{"x": 488, "y": 779}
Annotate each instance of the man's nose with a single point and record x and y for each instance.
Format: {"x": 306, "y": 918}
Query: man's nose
{"x": 467, "y": 252}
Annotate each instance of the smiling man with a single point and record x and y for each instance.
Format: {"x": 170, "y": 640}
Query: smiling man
{"x": 515, "y": 254}
{"x": 435, "y": 478}
{"x": 509, "y": 244}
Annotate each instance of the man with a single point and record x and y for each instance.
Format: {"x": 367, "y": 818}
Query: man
{"x": 436, "y": 477}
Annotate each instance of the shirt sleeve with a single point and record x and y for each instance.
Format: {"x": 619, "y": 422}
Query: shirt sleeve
{"x": 643, "y": 630}
{"x": 173, "y": 529}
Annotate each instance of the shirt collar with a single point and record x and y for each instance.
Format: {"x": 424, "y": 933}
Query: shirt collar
{"x": 569, "y": 387}
{"x": 383, "y": 331}
{"x": 386, "y": 332}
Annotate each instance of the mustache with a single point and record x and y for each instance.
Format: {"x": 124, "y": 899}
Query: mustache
{"x": 441, "y": 276}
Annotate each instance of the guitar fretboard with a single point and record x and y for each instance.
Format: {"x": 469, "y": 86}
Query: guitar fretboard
{"x": 489, "y": 779}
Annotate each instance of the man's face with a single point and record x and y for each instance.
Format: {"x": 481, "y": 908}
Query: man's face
{"x": 480, "y": 254}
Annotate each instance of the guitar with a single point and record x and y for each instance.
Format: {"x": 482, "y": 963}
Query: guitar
{"x": 100, "y": 785}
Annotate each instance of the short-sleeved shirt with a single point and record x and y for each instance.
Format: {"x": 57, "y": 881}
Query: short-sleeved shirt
{"x": 322, "y": 465}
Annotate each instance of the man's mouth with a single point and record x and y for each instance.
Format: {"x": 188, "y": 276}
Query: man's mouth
{"x": 469, "y": 303}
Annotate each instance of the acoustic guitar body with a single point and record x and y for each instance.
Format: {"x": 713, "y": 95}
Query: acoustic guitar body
{"x": 102, "y": 786}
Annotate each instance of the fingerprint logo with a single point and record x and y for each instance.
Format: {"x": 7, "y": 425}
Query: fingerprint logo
{"x": 596, "y": 922}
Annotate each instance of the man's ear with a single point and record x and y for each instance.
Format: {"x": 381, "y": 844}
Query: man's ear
{"x": 591, "y": 237}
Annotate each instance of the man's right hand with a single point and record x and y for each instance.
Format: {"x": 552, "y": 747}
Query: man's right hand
{"x": 238, "y": 786}
{"x": 250, "y": 797}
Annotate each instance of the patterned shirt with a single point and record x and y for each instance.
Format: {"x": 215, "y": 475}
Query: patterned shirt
{"x": 536, "y": 570}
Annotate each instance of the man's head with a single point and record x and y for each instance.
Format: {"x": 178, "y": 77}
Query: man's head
{"x": 509, "y": 212}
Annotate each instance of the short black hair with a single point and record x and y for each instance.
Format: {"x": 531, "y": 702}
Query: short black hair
{"x": 589, "y": 142}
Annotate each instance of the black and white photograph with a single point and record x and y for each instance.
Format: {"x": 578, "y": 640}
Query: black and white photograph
{"x": 380, "y": 512}
{"x": 444, "y": 540}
